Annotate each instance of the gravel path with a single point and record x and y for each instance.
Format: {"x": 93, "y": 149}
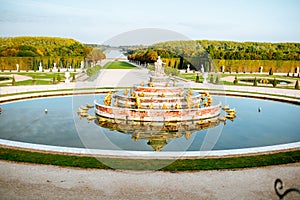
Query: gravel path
{"x": 28, "y": 181}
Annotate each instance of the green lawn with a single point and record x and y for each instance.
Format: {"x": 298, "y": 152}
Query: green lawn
{"x": 192, "y": 77}
{"x": 41, "y": 78}
{"x": 118, "y": 65}
{"x": 150, "y": 164}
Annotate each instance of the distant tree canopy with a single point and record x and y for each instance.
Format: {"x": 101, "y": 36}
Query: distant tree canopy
{"x": 41, "y": 46}
{"x": 230, "y": 50}
{"x": 227, "y": 50}
{"x": 238, "y": 56}
{"x": 28, "y": 52}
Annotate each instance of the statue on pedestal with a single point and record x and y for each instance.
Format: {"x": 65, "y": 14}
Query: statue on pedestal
{"x": 159, "y": 70}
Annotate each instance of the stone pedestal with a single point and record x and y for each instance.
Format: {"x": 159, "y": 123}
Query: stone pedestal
{"x": 67, "y": 75}
{"x": 205, "y": 76}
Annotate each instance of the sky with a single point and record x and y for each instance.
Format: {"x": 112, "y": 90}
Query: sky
{"x": 138, "y": 22}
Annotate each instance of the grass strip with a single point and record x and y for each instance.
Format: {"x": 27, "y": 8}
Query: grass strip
{"x": 148, "y": 164}
{"x": 119, "y": 65}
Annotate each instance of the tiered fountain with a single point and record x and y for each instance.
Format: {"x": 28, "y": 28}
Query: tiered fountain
{"x": 158, "y": 110}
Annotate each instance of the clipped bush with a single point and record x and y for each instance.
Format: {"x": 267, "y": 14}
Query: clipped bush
{"x": 235, "y": 82}
{"x": 58, "y": 78}
{"x": 217, "y": 80}
{"x": 255, "y": 82}
{"x": 211, "y": 79}
{"x": 297, "y": 85}
{"x": 197, "y": 78}
{"x": 171, "y": 71}
{"x": 274, "y": 82}
{"x": 271, "y": 72}
{"x": 13, "y": 82}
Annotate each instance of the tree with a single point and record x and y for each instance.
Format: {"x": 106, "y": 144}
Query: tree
{"x": 297, "y": 85}
{"x": 255, "y": 82}
{"x": 73, "y": 77}
{"x": 53, "y": 80}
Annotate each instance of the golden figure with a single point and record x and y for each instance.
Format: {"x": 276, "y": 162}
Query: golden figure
{"x": 142, "y": 83}
{"x": 151, "y": 106}
{"x": 138, "y": 101}
{"x": 177, "y": 106}
{"x": 125, "y": 92}
{"x": 127, "y": 105}
{"x": 164, "y": 106}
{"x": 141, "y": 94}
{"x": 150, "y": 84}
{"x": 107, "y": 99}
{"x": 116, "y": 103}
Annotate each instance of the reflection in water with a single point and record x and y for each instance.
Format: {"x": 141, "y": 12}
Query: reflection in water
{"x": 156, "y": 133}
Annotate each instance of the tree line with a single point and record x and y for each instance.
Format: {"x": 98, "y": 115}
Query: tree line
{"x": 29, "y": 52}
{"x": 235, "y": 56}
{"x": 230, "y": 50}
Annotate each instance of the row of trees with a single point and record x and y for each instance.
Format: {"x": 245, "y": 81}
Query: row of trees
{"x": 234, "y": 56}
{"x": 230, "y": 50}
{"x": 42, "y": 46}
{"x": 29, "y": 52}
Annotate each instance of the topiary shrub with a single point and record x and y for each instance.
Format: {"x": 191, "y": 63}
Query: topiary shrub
{"x": 235, "y": 82}
{"x": 13, "y": 82}
{"x": 271, "y": 72}
{"x": 297, "y": 85}
{"x": 171, "y": 71}
{"x": 274, "y": 82}
{"x": 197, "y": 78}
{"x": 217, "y": 80}
{"x": 211, "y": 79}
{"x": 255, "y": 82}
{"x": 58, "y": 78}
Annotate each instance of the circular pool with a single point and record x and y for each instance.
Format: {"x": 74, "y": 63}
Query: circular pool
{"x": 259, "y": 123}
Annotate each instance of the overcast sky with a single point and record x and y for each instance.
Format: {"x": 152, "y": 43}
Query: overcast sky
{"x": 101, "y": 21}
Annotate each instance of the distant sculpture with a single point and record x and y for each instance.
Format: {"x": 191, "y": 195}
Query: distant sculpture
{"x": 159, "y": 70}
{"x": 202, "y": 69}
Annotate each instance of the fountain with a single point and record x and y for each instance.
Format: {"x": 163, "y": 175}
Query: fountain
{"x": 159, "y": 110}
